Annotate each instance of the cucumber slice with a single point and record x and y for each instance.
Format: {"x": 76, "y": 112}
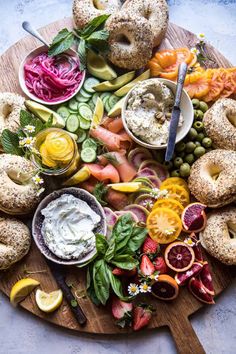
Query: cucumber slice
{"x": 113, "y": 100}
{"x": 72, "y": 123}
{"x": 106, "y": 105}
{"x": 81, "y": 98}
{"x": 95, "y": 97}
{"x": 64, "y": 112}
{"x": 81, "y": 135}
{"x": 85, "y": 112}
{"x": 105, "y": 96}
{"x": 89, "y": 83}
{"x": 91, "y": 105}
{"x": 73, "y": 104}
{"x": 85, "y": 93}
{"x": 90, "y": 143}
{"x": 88, "y": 154}
{"x": 72, "y": 112}
{"x": 84, "y": 123}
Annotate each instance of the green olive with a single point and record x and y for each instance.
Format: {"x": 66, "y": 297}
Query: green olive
{"x": 203, "y": 106}
{"x": 197, "y": 143}
{"x": 207, "y": 142}
{"x": 200, "y": 137}
{"x": 178, "y": 162}
{"x": 181, "y": 154}
{"x": 192, "y": 134}
{"x": 159, "y": 156}
{"x": 184, "y": 170}
{"x": 168, "y": 165}
{"x": 198, "y": 126}
{"x": 189, "y": 158}
{"x": 180, "y": 146}
{"x": 175, "y": 173}
{"x": 199, "y": 151}
{"x": 195, "y": 103}
{"x": 190, "y": 146}
{"x": 200, "y": 115}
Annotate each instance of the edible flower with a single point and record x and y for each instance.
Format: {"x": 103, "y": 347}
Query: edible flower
{"x": 40, "y": 191}
{"x": 29, "y": 128}
{"x": 27, "y": 142}
{"x": 201, "y": 36}
{"x": 194, "y": 50}
{"x": 154, "y": 276}
{"x": 189, "y": 241}
{"x": 157, "y": 193}
{"x": 37, "y": 179}
{"x": 133, "y": 289}
{"x": 145, "y": 288}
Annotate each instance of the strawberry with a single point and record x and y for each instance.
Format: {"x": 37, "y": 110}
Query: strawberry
{"x": 150, "y": 246}
{"x": 122, "y": 311}
{"x": 160, "y": 265}
{"x": 124, "y": 272}
{"x": 146, "y": 266}
{"x": 142, "y": 315}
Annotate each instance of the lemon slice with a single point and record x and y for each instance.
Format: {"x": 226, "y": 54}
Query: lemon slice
{"x": 98, "y": 113}
{"x": 129, "y": 187}
{"x": 48, "y": 302}
{"x": 21, "y": 289}
{"x": 80, "y": 176}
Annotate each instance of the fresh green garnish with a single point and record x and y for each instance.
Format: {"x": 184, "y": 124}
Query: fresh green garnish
{"x": 100, "y": 192}
{"x": 74, "y": 303}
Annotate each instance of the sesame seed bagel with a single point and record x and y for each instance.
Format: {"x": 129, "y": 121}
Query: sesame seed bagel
{"x": 220, "y": 123}
{"x": 217, "y": 236}
{"x": 14, "y": 241}
{"x": 85, "y": 10}
{"x": 212, "y": 178}
{"x": 130, "y": 40}
{"x": 18, "y": 193}
{"x": 10, "y": 107}
{"x": 155, "y": 11}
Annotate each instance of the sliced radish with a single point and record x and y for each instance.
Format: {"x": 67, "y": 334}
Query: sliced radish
{"x": 145, "y": 200}
{"x": 206, "y": 278}
{"x": 123, "y": 212}
{"x": 138, "y": 155}
{"x": 160, "y": 170}
{"x": 156, "y": 182}
{"x": 141, "y": 212}
{"x": 111, "y": 219}
{"x": 146, "y": 172}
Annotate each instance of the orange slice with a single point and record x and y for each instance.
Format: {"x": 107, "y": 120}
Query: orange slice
{"x": 165, "y": 288}
{"x": 175, "y": 180}
{"x": 177, "y": 192}
{"x": 164, "y": 225}
{"x": 171, "y": 204}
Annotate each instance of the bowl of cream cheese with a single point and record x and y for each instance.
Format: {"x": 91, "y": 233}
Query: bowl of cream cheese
{"x": 65, "y": 225}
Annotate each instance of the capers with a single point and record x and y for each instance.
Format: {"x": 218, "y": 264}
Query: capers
{"x": 199, "y": 151}
{"x": 195, "y": 103}
{"x": 190, "y": 146}
{"x": 180, "y": 146}
{"x": 178, "y": 162}
{"x": 175, "y": 173}
{"x": 200, "y": 137}
{"x": 200, "y": 115}
{"x": 189, "y": 158}
{"x": 207, "y": 142}
{"x": 192, "y": 134}
{"x": 198, "y": 126}
{"x": 203, "y": 106}
{"x": 184, "y": 170}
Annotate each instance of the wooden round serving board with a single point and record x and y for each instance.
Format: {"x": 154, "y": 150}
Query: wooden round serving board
{"x": 174, "y": 314}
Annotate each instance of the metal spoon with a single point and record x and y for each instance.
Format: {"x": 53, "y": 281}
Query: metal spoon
{"x": 31, "y": 30}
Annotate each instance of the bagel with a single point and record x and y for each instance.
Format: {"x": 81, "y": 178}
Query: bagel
{"x": 130, "y": 40}
{"x": 85, "y": 10}
{"x": 217, "y": 235}
{"x": 220, "y": 123}
{"x": 18, "y": 193}
{"x": 14, "y": 241}
{"x": 155, "y": 11}
{"x": 10, "y": 107}
{"x": 212, "y": 178}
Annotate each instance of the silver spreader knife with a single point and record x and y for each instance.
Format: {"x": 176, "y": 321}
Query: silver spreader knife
{"x": 182, "y": 71}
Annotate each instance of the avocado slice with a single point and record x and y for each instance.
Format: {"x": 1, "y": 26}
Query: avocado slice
{"x": 98, "y": 67}
{"x": 125, "y": 89}
{"x": 116, "y": 110}
{"x": 44, "y": 113}
{"x": 116, "y": 83}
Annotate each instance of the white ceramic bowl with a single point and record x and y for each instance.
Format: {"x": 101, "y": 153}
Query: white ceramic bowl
{"x": 186, "y": 110}
{"x": 23, "y": 86}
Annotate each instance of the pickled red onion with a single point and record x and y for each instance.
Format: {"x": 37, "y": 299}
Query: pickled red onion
{"x": 52, "y": 78}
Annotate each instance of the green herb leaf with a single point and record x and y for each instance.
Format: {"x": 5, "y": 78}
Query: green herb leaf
{"x": 101, "y": 281}
{"x": 101, "y": 244}
{"x": 137, "y": 238}
{"x": 99, "y": 192}
{"x": 92, "y": 26}
{"x": 122, "y": 230}
{"x": 61, "y": 43}
{"x": 98, "y": 39}
{"x": 124, "y": 261}
{"x": 82, "y": 53}
{"x": 74, "y": 303}
{"x": 25, "y": 118}
{"x": 63, "y": 34}
{"x": 111, "y": 249}
{"x": 10, "y": 143}
{"x": 90, "y": 286}
{"x": 116, "y": 285}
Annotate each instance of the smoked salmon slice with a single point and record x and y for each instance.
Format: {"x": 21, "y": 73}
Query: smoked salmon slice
{"x": 112, "y": 141}
{"x": 109, "y": 172}
{"x": 116, "y": 125}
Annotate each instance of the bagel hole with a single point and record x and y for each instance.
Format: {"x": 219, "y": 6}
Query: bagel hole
{"x": 214, "y": 172}
{"x": 123, "y": 39}
{"x": 6, "y": 110}
{"x": 232, "y": 230}
{"x": 231, "y": 116}
{"x": 18, "y": 177}
{"x": 99, "y": 5}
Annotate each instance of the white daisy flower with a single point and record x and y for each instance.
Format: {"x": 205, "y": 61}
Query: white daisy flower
{"x": 40, "y": 191}
{"x": 29, "y": 128}
{"x": 27, "y": 142}
{"x": 37, "y": 179}
{"x": 145, "y": 288}
{"x": 189, "y": 242}
{"x": 194, "y": 50}
{"x": 133, "y": 289}
{"x": 157, "y": 193}
{"x": 154, "y": 276}
{"x": 201, "y": 36}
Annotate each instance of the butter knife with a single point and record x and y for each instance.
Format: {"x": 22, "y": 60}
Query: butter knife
{"x": 182, "y": 71}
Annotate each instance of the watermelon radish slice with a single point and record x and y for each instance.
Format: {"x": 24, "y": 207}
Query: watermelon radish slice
{"x": 111, "y": 219}
{"x": 197, "y": 289}
{"x": 146, "y": 172}
{"x": 146, "y": 201}
{"x": 160, "y": 170}
{"x": 206, "y": 279}
{"x": 138, "y": 155}
{"x": 182, "y": 278}
{"x": 143, "y": 180}
{"x": 141, "y": 212}
{"x": 123, "y": 212}
{"x": 156, "y": 182}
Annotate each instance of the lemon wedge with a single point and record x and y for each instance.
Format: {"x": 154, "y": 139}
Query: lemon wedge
{"x": 80, "y": 176}
{"x": 48, "y": 302}
{"x": 98, "y": 113}
{"x": 21, "y": 289}
{"x": 128, "y": 187}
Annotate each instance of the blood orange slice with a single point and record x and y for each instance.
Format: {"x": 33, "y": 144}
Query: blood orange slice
{"x": 194, "y": 217}
{"x": 179, "y": 256}
{"x": 169, "y": 203}
{"x": 197, "y": 289}
{"x": 165, "y": 288}
{"x": 206, "y": 279}
{"x": 182, "y": 277}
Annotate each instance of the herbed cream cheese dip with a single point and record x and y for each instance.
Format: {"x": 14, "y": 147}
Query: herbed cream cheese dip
{"x": 148, "y": 111}
{"x": 68, "y": 227}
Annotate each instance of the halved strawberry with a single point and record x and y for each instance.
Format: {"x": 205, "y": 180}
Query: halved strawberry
{"x": 124, "y": 272}
{"x": 142, "y": 315}
{"x": 150, "y": 246}
{"x": 160, "y": 265}
{"x": 146, "y": 266}
{"x": 122, "y": 312}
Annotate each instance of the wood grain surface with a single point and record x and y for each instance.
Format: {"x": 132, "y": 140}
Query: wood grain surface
{"x": 174, "y": 314}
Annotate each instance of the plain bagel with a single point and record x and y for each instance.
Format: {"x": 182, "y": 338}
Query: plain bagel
{"x": 130, "y": 40}
{"x": 219, "y": 236}
{"x": 14, "y": 241}
{"x": 155, "y": 11}
{"x": 212, "y": 178}
{"x": 220, "y": 123}
{"x": 85, "y": 10}
{"x": 10, "y": 107}
{"x": 18, "y": 193}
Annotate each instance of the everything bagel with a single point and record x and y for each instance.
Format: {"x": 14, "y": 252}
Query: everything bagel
{"x": 10, "y": 107}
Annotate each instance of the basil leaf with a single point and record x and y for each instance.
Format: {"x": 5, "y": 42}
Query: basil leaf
{"x": 101, "y": 281}
{"x": 137, "y": 238}
{"x": 98, "y": 39}
{"x": 25, "y": 118}
{"x": 90, "y": 286}
{"x": 10, "y": 143}
{"x": 92, "y": 26}
{"x": 61, "y": 46}
{"x": 82, "y": 53}
{"x": 122, "y": 230}
{"x": 101, "y": 244}
{"x": 116, "y": 285}
{"x": 111, "y": 250}
{"x": 125, "y": 261}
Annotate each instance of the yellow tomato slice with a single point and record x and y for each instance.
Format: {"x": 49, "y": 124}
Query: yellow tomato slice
{"x": 171, "y": 204}
{"x": 177, "y": 192}
{"x": 175, "y": 180}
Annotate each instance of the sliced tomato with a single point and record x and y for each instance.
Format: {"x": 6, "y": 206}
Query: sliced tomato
{"x": 216, "y": 85}
{"x": 229, "y": 86}
{"x": 166, "y": 58}
{"x": 197, "y": 84}
{"x": 182, "y": 54}
{"x": 154, "y": 67}
{"x": 232, "y": 71}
